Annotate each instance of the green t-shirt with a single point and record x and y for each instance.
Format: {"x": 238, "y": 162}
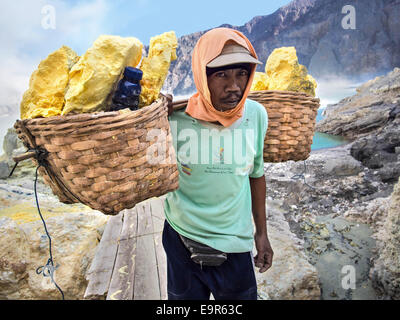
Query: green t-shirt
{"x": 213, "y": 202}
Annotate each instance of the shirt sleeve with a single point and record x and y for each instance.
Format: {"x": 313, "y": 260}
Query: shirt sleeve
{"x": 258, "y": 169}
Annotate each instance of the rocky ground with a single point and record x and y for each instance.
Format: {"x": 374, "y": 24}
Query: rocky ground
{"x": 341, "y": 204}
{"x": 331, "y": 203}
{"x": 75, "y": 232}
{"x": 371, "y": 119}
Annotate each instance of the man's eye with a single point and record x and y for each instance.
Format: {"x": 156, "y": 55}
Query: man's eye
{"x": 220, "y": 74}
{"x": 243, "y": 73}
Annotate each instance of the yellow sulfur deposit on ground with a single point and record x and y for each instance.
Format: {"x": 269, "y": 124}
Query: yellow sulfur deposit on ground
{"x": 260, "y": 82}
{"x": 26, "y": 212}
{"x": 47, "y": 85}
{"x": 93, "y": 77}
{"x": 283, "y": 72}
{"x": 155, "y": 67}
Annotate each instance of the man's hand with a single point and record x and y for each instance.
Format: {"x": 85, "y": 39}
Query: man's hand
{"x": 263, "y": 259}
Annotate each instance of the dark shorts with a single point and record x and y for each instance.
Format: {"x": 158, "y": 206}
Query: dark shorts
{"x": 233, "y": 280}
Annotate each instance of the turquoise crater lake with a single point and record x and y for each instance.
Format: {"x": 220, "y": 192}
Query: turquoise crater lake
{"x": 323, "y": 140}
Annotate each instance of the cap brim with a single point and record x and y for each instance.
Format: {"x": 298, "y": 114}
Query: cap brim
{"x": 232, "y": 58}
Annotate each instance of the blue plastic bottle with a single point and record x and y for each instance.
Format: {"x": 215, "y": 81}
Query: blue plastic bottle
{"x": 128, "y": 90}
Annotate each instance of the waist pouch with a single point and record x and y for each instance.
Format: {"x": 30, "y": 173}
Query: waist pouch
{"x": 203, "y": 254}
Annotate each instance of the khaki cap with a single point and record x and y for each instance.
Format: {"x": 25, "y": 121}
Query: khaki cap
{"x": 232, "y": 53}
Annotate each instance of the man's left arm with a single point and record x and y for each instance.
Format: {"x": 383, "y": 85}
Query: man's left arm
{"x": 263, "y": 259}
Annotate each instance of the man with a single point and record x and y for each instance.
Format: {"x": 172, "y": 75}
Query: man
{"x": 219, "y": 138}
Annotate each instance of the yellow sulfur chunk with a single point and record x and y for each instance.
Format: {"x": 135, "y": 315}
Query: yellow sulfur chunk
{"x": 93, "y": 77}
{"x": 260, "y": 82}
{"x": 162, "y": 51}
{"x": 47, "y": 85}
{"x": 285, "y": 73}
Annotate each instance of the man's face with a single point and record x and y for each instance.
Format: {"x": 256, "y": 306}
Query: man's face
{"x": 227, "y": 87}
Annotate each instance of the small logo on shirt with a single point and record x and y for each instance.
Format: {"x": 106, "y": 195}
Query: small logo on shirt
{"x": 186, "y": 169}
{"x": 219, "y": 156}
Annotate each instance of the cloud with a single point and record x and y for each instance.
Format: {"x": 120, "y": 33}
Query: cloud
{"x": 333, "y": 89}
{"x": 25, "y": 42}
{"x": 80, "y": 25}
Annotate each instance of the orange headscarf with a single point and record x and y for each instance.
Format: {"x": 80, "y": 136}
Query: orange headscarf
{"x": 207, "y": 48}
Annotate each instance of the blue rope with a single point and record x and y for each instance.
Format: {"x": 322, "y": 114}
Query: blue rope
{"x": 48, "y": 269}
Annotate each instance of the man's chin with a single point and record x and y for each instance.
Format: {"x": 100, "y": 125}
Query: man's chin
{"x": 227, "y": 106}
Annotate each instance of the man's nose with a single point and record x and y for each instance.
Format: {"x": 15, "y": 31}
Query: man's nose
{"x": 232, "y": 85}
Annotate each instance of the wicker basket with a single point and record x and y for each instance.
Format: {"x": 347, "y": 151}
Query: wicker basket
{"x": 107, "y": 160}
{"x": 291, "y": 123}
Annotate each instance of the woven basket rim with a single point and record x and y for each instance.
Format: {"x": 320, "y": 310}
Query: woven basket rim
{"x": 283, "y": 91}
{"x": 82, "y": 117}
{"x": 293, "y": 94}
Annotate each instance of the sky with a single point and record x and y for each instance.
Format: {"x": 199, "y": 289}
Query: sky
{"x": 32, "y": 29}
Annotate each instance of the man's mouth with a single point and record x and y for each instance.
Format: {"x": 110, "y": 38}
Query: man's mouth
{"x": 231, "y": 101}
